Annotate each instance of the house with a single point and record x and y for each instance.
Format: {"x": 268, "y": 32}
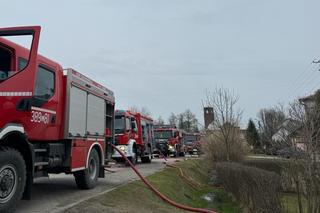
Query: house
{"x": 309, "y": 103}
{"x": 288, "y": 134}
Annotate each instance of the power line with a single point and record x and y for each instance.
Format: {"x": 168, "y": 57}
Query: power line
{"x": 317, "y": 84}
{"x": 305, "y": 81}
{"x": 302, "y": 81}
{"x": 301, "y": 75}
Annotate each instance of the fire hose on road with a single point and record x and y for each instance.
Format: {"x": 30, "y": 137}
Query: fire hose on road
{"x": 158, "y": 193}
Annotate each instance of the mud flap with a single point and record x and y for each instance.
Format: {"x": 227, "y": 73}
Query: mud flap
{"x": 101, "y": 172}
{"x": 28, "y": 188}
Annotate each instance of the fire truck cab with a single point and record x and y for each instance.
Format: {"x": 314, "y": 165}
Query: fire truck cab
{"x": 133, "y": 136}
{"x": 52, "y": 120}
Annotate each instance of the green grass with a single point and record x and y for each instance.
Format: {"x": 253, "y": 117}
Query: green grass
{"x": 135, "y": 197}
{"x": 290, "y": 203}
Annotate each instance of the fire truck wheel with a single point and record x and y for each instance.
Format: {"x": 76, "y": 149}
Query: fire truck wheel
{"x": 147, "y": 158}
{"x": 87, "y": 179}
{"x": 174, "y": 154}
{"x": 12, "y": 178}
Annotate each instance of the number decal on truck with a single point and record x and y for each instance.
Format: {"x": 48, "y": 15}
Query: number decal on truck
{"x": 39, "y": 117}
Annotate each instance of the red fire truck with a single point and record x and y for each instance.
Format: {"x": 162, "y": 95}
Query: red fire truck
{"x": 51, "y": 120}
{"x": 133, "y": 136}
{"x": 191, "y": 142}
{"x": 168, "y": 140}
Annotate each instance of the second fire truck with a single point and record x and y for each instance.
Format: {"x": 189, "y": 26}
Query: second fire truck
{"x": 133, "y": 136}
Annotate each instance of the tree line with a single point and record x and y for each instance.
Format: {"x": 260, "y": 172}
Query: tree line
{"x": 186, "y": 121}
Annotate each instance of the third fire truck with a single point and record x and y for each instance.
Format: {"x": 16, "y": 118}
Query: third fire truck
{"x": 191, "y": 142}
{"x": 168, "y": 141}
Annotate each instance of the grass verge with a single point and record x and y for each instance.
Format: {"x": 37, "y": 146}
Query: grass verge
{"x": 290, "y": 203}
{"x": 135, "y": 197}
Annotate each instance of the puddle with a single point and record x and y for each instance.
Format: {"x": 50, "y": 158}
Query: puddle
{"x": 210, "y": 197}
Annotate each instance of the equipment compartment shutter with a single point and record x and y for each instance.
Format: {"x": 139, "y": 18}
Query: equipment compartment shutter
{"x": 96, "y": 115}
{"x": 78, "y": 111}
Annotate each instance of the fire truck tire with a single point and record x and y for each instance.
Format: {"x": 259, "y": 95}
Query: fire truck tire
{"x": 165, "y": 153}
{"x": 12, "y": 178}
{"x": 119, "y": 160}
{"x": 147, "y": 158}
{"x": 175, "y": 154}
{"x": 88, "y": 178}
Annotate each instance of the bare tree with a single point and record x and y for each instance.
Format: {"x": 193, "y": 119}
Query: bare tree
{"x": 310, "y": 138}
{"x": 159, "y": 121}
{"x": 173, "y": 119}
{"x": 180, "y": 120}
{"x": 188, "y": 121}
{"x": 269, "y": 121}
{"x": 143, "y": 110}
{"x": 303, "y": 140}
{"x": 227, "y": 117}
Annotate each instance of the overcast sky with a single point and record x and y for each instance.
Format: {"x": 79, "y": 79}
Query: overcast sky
{"x": 165, "y": 54}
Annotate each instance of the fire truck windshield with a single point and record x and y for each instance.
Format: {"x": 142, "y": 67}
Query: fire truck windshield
{"x": 189, "y": 142}
{"x": 119, "y": 124}
{"x": 162, "y": 134}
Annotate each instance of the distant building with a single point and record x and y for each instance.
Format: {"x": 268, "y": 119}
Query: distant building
{"x": 288, "y": 133}
{"x": 243, "y": 135}
{"x": 290, "y": 130}
{"x": 309, "y": 103}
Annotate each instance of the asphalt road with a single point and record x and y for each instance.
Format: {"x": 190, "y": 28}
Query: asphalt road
{"x": 59, "y": 192}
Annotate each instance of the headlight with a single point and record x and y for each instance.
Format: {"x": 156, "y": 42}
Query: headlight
{"x": 123, "y": 148}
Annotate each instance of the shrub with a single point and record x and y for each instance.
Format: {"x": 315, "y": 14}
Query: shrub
{"x": 279, "y": 166}
{"x": 215, "y": 149}
{"x": 270, "y": 165}
{"x": 256, "y": 189}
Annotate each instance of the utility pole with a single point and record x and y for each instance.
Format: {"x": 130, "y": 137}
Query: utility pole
{"x": 315, "y": 61}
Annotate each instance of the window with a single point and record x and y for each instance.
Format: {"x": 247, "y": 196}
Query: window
{"x": 22, "y": 63}
{"x": 5, "y": 63}
{"x": 134, "y": 125}
{"x": 44, "y": 83}
{"x": 163, "y": 134}
{"x": 128, "y": 124}
{"x": 119, "y": 124}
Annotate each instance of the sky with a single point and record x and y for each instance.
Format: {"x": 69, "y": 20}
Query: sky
{"x": 165, "y": 54}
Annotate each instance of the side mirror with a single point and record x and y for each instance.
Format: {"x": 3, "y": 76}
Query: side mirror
{"x": 39, "y": 101}
{"x": 25, "y": 104}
